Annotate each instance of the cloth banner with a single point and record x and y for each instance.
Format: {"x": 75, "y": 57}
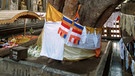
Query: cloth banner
{"x": 113, "y": 19}
{"x": 133, "y": 67}
{"x": 53, "y": 38}
{"x": 65, "y": 27}
{"x": 52, "y": 14}
{"x": 128, "y": 60}
{"x": 75, "y": 35}
{"x": 73, "y": 53}
{"x": 52, "y": 44}
{"x": 126, "y": 56}
{"x": 121, "y": 45}
{"x": 92, "y": 41}
{"x": 71, "y": 31}
{"x": 127, "y": 23}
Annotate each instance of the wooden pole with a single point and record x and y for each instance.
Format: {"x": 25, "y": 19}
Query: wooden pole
{"x": 3, "y": 4}
{"x": 24, "y": 26}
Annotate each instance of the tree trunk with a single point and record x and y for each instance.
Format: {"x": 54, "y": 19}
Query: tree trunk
{"x": 93, "y": 13}
{"x": 58, "y": 4}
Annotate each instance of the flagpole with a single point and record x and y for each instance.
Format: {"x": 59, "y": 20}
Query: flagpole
{"x": 46, "y": 6}
{"x": 24, "y": 26}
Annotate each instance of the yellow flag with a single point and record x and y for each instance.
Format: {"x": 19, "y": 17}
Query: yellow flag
{"x": 52, "y": 14}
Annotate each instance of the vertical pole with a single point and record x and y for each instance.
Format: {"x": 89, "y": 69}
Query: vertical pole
{"x": 9, "y": 5}
{"x": 46, "y": 5}
{"x": 0, "y": 4}
{"x": 24, "y": 26}
{"x": 29, "y": 4}
{"x": 17, "y": 4}
{"x": 3, "y": 4}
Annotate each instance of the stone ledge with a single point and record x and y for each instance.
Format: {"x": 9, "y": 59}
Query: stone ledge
{"x": 28, "y": 68}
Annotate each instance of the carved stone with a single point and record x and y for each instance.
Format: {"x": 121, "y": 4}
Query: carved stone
{"x": 34, "y": 3}
{"x": 13, "y": 6}
{"x": 40, "y": 5}
{"x": 23, "y": 5}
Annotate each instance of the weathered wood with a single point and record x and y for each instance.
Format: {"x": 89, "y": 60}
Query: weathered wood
{"x": 19, "y": 53}
{"x": 4, "y": 52}
{"x": 8, "y": 30}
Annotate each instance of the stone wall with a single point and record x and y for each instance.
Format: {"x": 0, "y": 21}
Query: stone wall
{"x": 23, "y": 68}
{"x": 27, "y": 68}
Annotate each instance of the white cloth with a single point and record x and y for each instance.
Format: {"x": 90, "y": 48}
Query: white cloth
{"x": 92, "y": 41}
{"x": 127, "y": 60}
{"x": 112, "y": 19}
{"x": 83, "y": 37}
{"x": 52, "y": 44}
{"x": 133, "y": 67}
{"x": 121, "y": 45}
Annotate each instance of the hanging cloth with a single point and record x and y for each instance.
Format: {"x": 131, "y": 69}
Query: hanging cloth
{"x": 52, "y": 43}
{"x": 126, "y": 60}
{"x": 121, "y": 45}
{"x": 112, "y": 19}
{"x": 127, "y": 23}
{"x": 133, "y": 67}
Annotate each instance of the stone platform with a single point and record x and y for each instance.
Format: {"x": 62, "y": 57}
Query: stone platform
{"x": 40, "y": 67}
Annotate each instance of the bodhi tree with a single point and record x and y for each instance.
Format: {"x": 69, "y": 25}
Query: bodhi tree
{"x": 93, "y": 13}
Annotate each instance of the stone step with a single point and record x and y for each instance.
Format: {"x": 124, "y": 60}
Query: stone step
{"x": 5, "y": 74}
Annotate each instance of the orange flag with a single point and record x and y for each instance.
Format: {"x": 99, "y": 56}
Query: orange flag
{"x": 98, "y": 50}
{"x": 52, "y": 14}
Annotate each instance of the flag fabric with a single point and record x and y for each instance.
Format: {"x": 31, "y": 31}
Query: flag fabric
{"x": 52, "y": 43}
{"x": 89, "y": 41}
{"x": 76, "y": 18}
{"x": 118, "y": 18}
{"x": 59, "y": 30}
{"x": 65, "y": 27}
{"x": 121, "y": 45}
{"x": 75, "y": 35}
{"x": 113, "y": 19}
{"x": 133, "y": 67}
{"x": 52, "y": 14}
{"x": 70, "y": 30}
{"x": 127, "y": 59}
